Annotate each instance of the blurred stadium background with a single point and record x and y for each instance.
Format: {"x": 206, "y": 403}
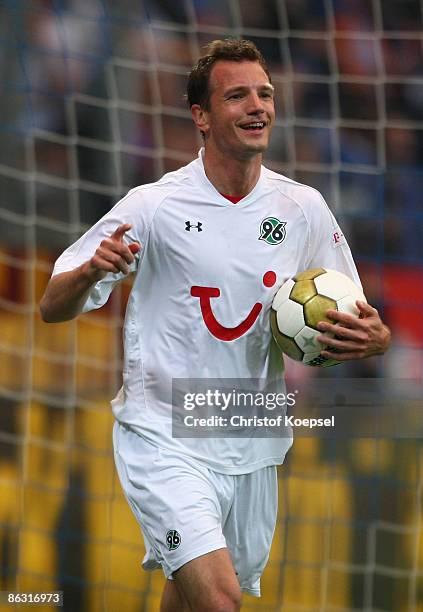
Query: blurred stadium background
{"x": 91, "y": 105}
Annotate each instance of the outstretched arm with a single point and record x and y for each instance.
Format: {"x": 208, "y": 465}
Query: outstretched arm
{"x": 66, "y": 293}
{"x": 356, "y": 338}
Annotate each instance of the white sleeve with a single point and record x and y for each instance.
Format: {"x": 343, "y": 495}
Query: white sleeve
{"x": 328, "y": 247}
{"x": 132, "y": 209}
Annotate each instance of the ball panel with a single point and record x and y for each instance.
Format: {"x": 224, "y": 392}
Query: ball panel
{"x": 282, "y": 294}
{"x": 306, "y": 340}
{"x": 287, "y": 345}
{"x": 302, "y": 291}
{"x": 309, "y": 274}
{"x": 333, "y": 285}
{"x": 347, "y": 304}
{"x": 355, "y": 291}
{"x": 315, "y": 310}
{"x": 274, "y": 326}
{"x": 291, "y": 319}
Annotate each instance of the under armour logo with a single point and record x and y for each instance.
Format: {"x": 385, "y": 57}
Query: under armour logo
{"x": 189, "y": 225}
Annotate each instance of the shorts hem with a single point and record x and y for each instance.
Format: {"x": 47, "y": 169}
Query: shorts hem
{"x": 189, "y": 556}
{"x": 253, "y": 592}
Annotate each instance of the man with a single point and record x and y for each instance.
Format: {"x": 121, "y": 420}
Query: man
{"x": 199, "y": 308}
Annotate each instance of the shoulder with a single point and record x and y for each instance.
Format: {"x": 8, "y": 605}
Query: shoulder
{"x": 150, "y": 196}
{"x": 304, "y": 195}
{"x": 308, "y": 199}
{"x": 167, "y": 184}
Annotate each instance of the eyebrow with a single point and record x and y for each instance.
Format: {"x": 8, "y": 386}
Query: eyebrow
{"x": 267, "y": 86}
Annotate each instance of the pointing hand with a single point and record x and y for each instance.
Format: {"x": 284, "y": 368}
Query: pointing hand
{"x": 113, "y": 255}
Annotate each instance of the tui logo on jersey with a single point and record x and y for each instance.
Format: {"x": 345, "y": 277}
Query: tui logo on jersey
{"x": 189, "y": 226}
{"x": 272, "y": 230}
{"x": 173, "y": 539}
{"x": 218, "y": 330}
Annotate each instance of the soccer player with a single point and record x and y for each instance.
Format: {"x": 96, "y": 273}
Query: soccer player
{"x": 205, "y": 276}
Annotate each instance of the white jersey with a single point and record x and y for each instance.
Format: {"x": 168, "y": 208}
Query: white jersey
{"x": 205, "y": 280}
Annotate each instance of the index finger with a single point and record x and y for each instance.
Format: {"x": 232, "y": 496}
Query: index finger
{"x": 366, "y": 309}
{"x": 120, "y": 231}
{"x": 342, "y": 317}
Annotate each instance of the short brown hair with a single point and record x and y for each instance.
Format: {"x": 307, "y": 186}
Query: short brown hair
{"x": 231, "y": 50}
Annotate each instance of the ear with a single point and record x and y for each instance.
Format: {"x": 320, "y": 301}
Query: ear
{"x": 200, "y": 118}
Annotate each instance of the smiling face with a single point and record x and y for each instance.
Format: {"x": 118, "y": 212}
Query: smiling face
{"x": 241, "y": 111}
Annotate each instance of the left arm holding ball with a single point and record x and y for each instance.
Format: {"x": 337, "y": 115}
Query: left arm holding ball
{"x": 356, "y": 338}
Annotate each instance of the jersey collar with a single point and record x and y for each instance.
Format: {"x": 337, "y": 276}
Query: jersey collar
{"x": 254, "y": 194}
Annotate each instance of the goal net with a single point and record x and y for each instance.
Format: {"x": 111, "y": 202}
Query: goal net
{"x": 93, "y": 104}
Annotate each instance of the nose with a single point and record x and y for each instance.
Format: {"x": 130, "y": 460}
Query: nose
{"x": 255, "y": 104}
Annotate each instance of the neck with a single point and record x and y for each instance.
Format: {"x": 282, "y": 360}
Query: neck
{"x": 232, "y": 176}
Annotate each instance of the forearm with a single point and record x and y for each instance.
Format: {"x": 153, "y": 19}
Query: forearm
{"x": 66, "y": 293}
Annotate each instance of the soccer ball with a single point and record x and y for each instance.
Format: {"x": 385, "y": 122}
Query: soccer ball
{"x": 301, "y": 303}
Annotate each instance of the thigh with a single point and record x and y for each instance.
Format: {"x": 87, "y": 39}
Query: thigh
{"x": 172, "y": 599}
{"x": 209, "y": 582}
{"x": 250, "y": 525}
{"x": 173, "y": 499}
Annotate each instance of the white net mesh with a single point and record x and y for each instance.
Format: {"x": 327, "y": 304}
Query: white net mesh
{"x": 92, "y": 104}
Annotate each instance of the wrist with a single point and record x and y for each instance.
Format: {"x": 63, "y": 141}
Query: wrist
{"x": 386, "y": 339}
{"x": 90, "y": 274}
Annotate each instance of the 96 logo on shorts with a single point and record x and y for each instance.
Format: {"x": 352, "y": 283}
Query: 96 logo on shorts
{"x": 173, "y": 539}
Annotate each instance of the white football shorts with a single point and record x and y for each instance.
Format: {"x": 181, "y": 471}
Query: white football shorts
{"x": 186, "y": 510}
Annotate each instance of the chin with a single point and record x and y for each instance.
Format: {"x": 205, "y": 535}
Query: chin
{"x": 258, "y": 147}
{"x": 256, "y": 143}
